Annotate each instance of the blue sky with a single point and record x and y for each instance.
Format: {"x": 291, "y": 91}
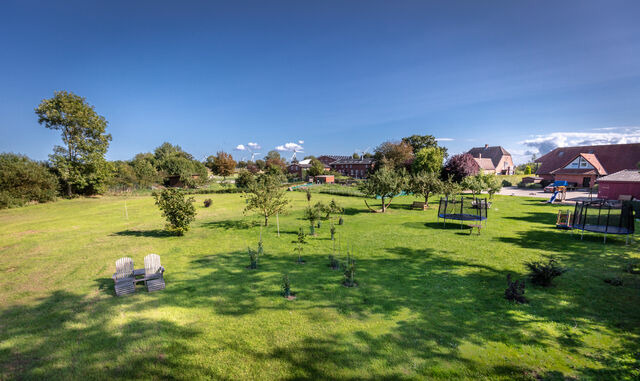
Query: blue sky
{"x": 338, "y": 75}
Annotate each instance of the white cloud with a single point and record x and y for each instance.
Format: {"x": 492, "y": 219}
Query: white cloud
{"x": 240, "y": 147}
{"x": 290, "y": 147}
{"x": 300, "y": 141}
{"x": 541, "y": 144}
{"x": 445, "y": 139}
{"x": 254, "y": 145}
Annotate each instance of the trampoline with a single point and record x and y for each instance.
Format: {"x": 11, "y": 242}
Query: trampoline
{"x": 463, "y": 209}
{"x": 604, "y": 217}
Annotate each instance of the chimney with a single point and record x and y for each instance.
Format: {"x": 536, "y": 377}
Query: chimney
{"x": 486, "y": 146}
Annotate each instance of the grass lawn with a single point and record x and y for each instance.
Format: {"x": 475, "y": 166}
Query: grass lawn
{"x": 429, "y": 303}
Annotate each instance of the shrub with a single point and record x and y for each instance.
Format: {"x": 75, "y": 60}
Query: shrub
{"x": 333, "y": 262}
{"x": 527, "y": 170}
{"x": 542, "y": 274}
{"x": 245, "y": 179}
{"x": 207, "y": 202}
{"x": 178, "y": 210}
{"x": 631, "y": 267}
{"x": 286, "y": 286}
{"x": 507, "y": 183}
{"x": 515, "y": 291}
{"x": 349, "y": 272}
{"x": 253, "y": 258}
{"x": 614, "y": 281}
{"x": 23, "y": 180}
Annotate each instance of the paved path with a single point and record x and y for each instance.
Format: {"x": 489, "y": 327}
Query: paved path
{"x": 577, "y": 195}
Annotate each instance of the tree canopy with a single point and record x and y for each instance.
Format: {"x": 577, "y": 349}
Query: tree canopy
{"x": 222, "y": 164}
{"x": 386, "y": 183}
{"x": 317, "y": 168}
{"x": 23, "y": 180}
{"x": 424, "y": 183}
{"x": 80, "y": 163}
{"x": 428, "y": 159}
{"x": 460, "y": 166}
{"x": 266, "y": 196}
{"x": 395, "y": 155}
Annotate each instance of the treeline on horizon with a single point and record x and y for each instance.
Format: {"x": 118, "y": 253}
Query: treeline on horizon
{"x": 78, "y": 166}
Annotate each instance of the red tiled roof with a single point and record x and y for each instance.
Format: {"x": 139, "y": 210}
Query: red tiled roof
{"x": 485, "y": 163}
{"x": 589, "y": 157}
{"x": 612, "y": 157}
{"x": 494, "y": 153}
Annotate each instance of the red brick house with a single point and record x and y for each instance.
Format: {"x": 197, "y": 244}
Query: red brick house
{"x": 493, "y": 159}
{"x": 582, "y": 165}
{"x": 621, "y": 183}
{"x": 356, "y": 168}
{"x": 298, "y": 167}
{"x": 329, "y": 159}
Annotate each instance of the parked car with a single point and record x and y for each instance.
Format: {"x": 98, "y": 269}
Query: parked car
{"x": 560, "y": 183}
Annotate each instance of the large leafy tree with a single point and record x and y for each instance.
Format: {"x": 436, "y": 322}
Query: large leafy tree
{"x": 266, "y": 196}
{"x": 460, "y": 166}
{"x": 80, "y": 163}
{"x": 172, "y": 160}
{"x": 418, "y": 142}
{"x": 386, "y": 183}
{"x": 393, "y": 154}
{"x": 428, "y": 159}
{"x": 23, "y": 180}
{"x": 425, "y": 184}
{"x": 317, "y": 168}
{"x": 222, "y": 164}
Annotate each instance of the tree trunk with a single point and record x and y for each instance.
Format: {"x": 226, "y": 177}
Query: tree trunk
{"x": 266, "y": 220}
{"x": 384, "y": 207}
{"x": 426, "y": 199}
{"x": 68, "y": 189}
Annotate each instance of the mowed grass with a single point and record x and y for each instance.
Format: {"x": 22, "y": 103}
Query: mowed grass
{"x": 429, "y": 302}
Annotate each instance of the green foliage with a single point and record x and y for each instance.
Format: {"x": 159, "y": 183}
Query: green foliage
{"x": 474, "y": 183}
{"x": 313, "y": 214}
{"x": 333, "y": 232}
{"x": 542, "y": 274}
{"x": 393, "y": 155}
{"x": 515, "y": 291}
{"x": 266, "y": 197}
{"x": 23, "y": 180}
{"x": 450, "y": 187}
{"x": 418, "y": 142}
{"x": 80, "y": 164}
{"x": 492, "y": 183}
{"x": 350, "y": 271}
{"x": 317, "y": 168}
{"x": 429, "y": 160}
{"x": 460, "y": 166}
{"x": 333, "y": 262}
{"x": 527, "y": 170}
{"x": 245, "y": 179}
{"x": 425, "y": 184}
{"x": 177, "y": 209}
{"x": 222, "y": 164}
{"x": 386, "y": 183}
{"x": 300, "y": 241}
{"x": 507, "y": 183}
{"x": 145, "y": 172}
{"x": 286, "y": 286}
{"x": 253, "y": 258}
{"x": 191, "y": 172}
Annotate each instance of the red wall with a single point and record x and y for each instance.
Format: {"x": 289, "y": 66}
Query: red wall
{"x": 576, "y": 179}
{"x": 611, "y": 190}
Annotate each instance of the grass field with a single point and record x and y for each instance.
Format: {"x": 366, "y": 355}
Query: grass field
{"x": 429, "y": 302}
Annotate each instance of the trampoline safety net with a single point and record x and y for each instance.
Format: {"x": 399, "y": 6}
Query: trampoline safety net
{"x": 602, "y": 216}
{"x": 463, "y": 209}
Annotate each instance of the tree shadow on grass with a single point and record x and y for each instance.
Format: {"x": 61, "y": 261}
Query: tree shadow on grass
{"x": 137, "y": 348}
{"x": 231, "y": 224}
{"x": 155, "y": 233}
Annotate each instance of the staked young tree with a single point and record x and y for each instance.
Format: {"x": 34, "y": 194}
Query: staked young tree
{"x": 80, "y": 163}
{"x": 266, "y": 196}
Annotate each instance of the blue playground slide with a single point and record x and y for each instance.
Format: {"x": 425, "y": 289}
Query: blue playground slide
{"x": 553, "y": 198}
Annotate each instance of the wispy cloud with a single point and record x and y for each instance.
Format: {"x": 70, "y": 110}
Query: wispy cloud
{"x": 445, "y": 139}
{"x": 241, "y": 147}
{"x": 290, "y": 147}
{"x": 541, "y": 144}
{"x": 253, "y": 145}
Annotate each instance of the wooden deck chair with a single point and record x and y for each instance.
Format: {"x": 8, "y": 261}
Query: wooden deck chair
{"x": 153, "y": 273}
{"x": 123, "y": 278}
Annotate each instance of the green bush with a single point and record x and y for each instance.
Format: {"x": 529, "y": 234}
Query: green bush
{"x": 515, "y": 291}
{"x": 244, "y": 179}
{"x": 23, "y": 180}
{"x": 177, "y": 209}
{"x": 542, "y": 274}
{"x": 507, "y": 183}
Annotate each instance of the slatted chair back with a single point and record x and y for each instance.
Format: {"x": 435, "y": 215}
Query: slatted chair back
{"x": 124, "y": 268}
{"x": 152, "y": 264}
